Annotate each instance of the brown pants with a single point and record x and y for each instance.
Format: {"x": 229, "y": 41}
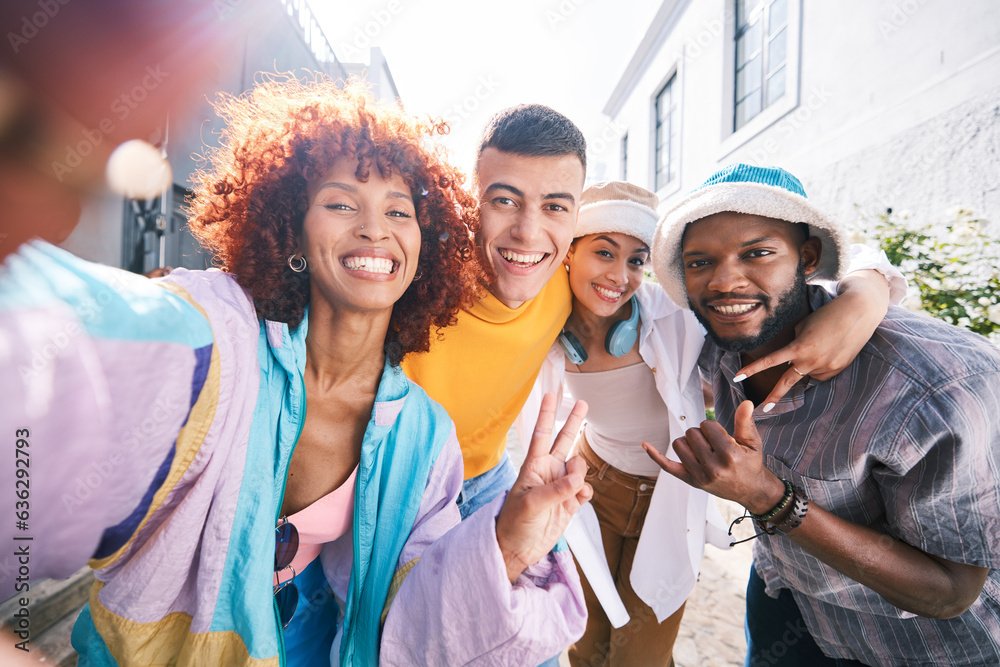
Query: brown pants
{"x": 621, "y": 502}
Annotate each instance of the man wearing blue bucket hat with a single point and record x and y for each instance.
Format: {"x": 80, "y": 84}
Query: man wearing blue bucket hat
{"x": 877, "y": 492}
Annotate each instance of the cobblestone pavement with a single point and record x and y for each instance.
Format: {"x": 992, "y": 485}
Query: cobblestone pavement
{"x": 711, "y": 633}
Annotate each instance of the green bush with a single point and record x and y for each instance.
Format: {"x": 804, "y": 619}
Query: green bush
{"x": 953, "y": 266}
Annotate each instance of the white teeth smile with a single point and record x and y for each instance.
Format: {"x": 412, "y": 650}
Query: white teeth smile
{"x": 738, "y": 309}
{"x": 607, "y": 293}
{"x": 518, "y": 258}
{"x": 369, "y": 264}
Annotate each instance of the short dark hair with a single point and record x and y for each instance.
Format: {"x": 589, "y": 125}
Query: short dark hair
{"x": 533, "y": 130}
{"x": 804, "y": 230}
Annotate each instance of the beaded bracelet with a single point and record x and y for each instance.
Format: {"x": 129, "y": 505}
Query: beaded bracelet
{"x": 798, "y": 513}
{"x": 777, "y": 509}
{"x": 795, "y": 496}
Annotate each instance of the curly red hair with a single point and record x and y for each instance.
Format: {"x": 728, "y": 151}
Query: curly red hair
{"x": 250, "y": 198}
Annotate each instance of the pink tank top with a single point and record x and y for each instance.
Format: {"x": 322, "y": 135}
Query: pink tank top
{"x": 324, "y": 521}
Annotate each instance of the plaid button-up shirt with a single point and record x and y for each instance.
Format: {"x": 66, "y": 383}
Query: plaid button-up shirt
{"x": 906, "y": 440}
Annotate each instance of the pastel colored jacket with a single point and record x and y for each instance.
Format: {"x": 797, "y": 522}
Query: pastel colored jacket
{"x": 162, "y": 422}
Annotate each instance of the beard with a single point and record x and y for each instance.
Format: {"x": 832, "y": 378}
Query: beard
{"x": 785, "y": 313}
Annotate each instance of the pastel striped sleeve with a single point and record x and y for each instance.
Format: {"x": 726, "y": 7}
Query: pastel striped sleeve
{"x": 456, "y": 605}
{"x": 99, "y": 370}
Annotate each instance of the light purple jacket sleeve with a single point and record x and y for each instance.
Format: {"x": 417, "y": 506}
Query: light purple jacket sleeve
{"x": 94, "y": 394}
{"x": 457, "y": 607}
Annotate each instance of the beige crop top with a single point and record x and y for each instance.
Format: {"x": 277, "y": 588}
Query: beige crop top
{"x": 625, "y": 410}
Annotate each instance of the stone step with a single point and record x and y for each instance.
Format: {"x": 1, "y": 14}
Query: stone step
{"x": 53, "y": 606}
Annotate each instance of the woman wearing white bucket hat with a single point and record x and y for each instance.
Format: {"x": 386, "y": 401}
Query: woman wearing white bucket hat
{"x": 632, "y": 353}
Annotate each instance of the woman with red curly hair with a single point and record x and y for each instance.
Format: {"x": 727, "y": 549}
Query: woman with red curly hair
{"x": 252, "y": 200}
{"x": 276, "y": 489}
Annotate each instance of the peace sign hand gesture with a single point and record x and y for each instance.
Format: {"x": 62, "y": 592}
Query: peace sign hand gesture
{"x": 547, "y": 493}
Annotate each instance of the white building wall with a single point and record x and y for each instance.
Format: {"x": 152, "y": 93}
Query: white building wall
{"x": 898, "y": 103}
{"x": 98, "y": 235}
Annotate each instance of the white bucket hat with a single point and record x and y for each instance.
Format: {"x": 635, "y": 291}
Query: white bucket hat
{"x": 770, "y": 192}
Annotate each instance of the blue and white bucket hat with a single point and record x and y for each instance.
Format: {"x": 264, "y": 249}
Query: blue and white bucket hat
{"x": 770, "y": 192}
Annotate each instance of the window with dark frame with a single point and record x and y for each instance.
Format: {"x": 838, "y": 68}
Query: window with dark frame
{"x": 625, "y": 157}
{"x": 666, "y": 134}
{"x": 761, "y": 56}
